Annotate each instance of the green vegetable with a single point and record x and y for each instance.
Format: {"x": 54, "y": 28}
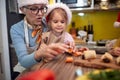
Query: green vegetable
{"x": 105, "y": 75}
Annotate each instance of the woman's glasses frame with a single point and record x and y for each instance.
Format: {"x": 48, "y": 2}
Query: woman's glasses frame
{"x": 36, "y": 10}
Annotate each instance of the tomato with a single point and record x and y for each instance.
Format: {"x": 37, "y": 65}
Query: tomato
{"x": 82, "y": 49}
{"x": 44, "y": 74}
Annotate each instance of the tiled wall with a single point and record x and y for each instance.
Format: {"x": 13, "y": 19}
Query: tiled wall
{"x": 102, "y": 23}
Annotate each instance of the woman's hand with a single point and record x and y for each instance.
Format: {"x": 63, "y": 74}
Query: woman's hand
{"x": 50, "y": 51}
{"x": 117, "y": 51}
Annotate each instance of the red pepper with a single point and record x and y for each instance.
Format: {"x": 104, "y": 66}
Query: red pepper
{"x": 44, "y": 74}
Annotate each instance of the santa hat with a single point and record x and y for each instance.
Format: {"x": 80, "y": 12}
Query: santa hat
{"x": 30, "y": 2}
{"x": 117, "y": 22}
{"x": 60, "y": 5}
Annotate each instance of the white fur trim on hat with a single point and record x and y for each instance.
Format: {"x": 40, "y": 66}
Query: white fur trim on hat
{"x": 116, "y": 24}
{"x": 30, "y": 2}
{"x": 63, "y": 6}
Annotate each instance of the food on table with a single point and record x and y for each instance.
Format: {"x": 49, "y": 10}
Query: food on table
{"x": 69, "y": 59}
{"x": 118, "y": 60}
{"x": 70, "y": 50}
{"x": 97, "y": 62}
{"x": 82, "y": 49}
{"x": 107, "y": 74}
{"x": 89, "y": 54}
{"x": 107, "y": 57}
{"x": 76, "y": 53}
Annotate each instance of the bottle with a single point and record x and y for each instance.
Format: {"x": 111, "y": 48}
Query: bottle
{"x": 73, "y": 30}
{"x": 90, "y": 32}
{"x": 85, "y": 29}
{"x": 92, "y": 29}
{"x": 88, "y": 29}
{"x": 77, "y": 29}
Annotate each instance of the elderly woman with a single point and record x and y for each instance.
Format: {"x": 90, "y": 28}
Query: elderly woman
{"x": 26, "y": 34}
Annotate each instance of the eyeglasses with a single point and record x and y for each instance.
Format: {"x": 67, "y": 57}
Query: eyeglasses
{"x": 36, "y": 10}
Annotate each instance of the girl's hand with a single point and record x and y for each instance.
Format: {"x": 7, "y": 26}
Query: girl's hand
{"x": 70, "y": 44}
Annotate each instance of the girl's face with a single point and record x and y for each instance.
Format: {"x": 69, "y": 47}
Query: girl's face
{"x": 34, "y": 14}
{"x": 58, "y": 23}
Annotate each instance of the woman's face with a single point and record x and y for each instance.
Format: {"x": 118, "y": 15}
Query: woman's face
{"x": 34, "y": 13}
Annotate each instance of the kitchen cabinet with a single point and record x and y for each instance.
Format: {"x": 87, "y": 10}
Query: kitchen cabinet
{"x": 106, "y": 4}
{"x": 98, "y": 5}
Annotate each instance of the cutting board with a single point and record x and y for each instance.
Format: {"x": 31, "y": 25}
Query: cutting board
{"x": 96, "y": 63}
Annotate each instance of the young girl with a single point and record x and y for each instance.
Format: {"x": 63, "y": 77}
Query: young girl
{"x": 58, "y": 18}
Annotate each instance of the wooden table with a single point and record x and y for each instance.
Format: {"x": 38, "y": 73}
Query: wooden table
{"x": 62, "y": 70}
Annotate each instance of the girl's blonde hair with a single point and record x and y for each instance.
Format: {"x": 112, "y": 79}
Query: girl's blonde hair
{"x": 59, "y": 11}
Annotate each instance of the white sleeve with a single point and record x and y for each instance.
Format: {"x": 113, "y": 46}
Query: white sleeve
{"x": 109, "y": 44}
{"x": 68, "y": 38}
